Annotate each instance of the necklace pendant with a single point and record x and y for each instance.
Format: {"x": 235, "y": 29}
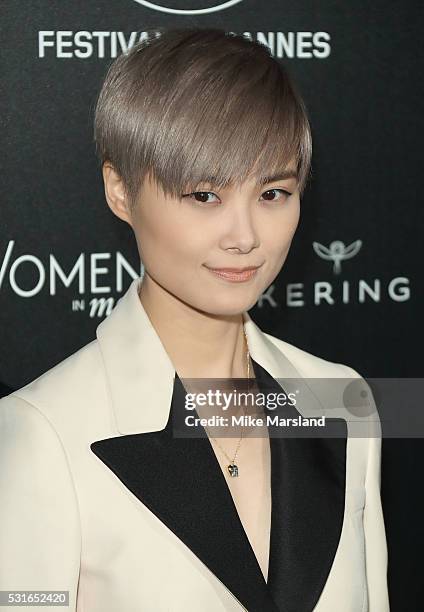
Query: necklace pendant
{"x": 232, "y": 469}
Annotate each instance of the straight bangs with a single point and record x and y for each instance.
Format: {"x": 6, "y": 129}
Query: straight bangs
{"x": 218, "y": 114}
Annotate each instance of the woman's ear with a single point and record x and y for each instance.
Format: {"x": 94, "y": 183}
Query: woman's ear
{"x": 115, "y": 193}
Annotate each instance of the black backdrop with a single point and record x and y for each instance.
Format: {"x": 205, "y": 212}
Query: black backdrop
{"x": 359, "y": 69}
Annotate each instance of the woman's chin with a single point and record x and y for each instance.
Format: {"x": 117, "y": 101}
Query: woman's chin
{"x": 228, "y": 306}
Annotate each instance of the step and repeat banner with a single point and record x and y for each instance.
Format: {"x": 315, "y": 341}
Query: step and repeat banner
{"x": 350, "y": 290}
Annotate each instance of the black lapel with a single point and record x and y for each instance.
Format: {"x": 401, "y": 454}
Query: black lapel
{"x": 308, "y": 496}
{"x": 180, "y": 481}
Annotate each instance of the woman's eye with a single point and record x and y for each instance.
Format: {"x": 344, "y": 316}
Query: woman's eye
{"x": 202, "y": 197}
{"x": 269, "y": 195}
{"x": 199, "y": 196}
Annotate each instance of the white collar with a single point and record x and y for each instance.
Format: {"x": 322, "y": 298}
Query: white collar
{"x": 140, "y": 374}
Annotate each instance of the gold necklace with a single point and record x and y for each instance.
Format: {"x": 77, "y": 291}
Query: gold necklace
{"x": 232, "y": 467}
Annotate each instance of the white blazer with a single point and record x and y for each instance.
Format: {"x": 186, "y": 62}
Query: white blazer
{"x": 98, "y": 498}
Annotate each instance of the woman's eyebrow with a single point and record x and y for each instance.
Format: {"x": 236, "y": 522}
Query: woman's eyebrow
{"x": 281, "y": 176}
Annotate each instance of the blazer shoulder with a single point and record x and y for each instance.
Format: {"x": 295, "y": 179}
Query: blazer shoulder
{"x": 352, "y": 401}
{"x": 311, "y": 365}
{"x": 66, "y": 390}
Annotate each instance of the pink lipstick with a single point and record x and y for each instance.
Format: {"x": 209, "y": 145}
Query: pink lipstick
{"x": 235, "y": 274}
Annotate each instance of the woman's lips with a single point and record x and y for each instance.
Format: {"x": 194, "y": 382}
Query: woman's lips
{"x": 232, "y": 274}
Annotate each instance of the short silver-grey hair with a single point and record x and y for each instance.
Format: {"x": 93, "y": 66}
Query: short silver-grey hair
{"x": 195, "y": 105}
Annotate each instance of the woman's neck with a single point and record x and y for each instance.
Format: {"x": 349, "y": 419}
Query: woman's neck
{"x": 200, "y": 345}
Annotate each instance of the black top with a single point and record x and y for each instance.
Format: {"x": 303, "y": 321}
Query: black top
{"x": 181, "y": 482}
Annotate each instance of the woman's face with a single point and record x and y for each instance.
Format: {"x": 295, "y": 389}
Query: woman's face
{"x": 181, "y": 239}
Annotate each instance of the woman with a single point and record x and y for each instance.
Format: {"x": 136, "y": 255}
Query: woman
{"x": 205, "y": 149}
